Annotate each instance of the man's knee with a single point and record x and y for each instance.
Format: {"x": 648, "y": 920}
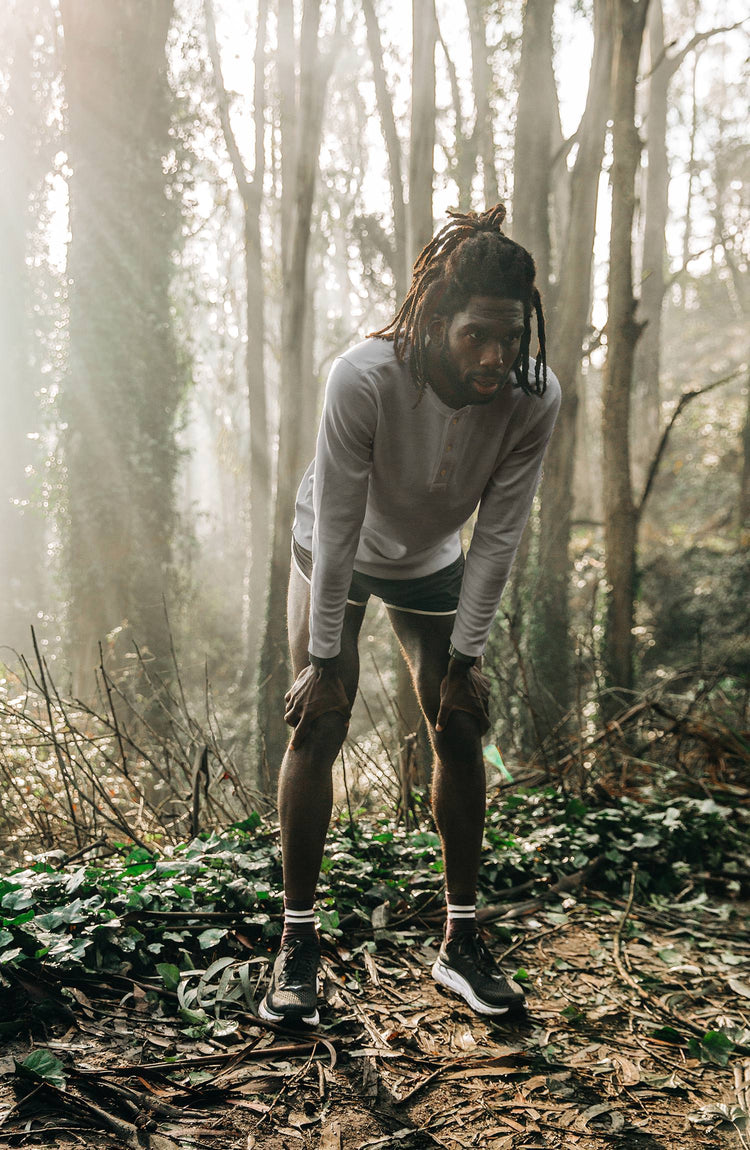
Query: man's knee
{"x": 325, "y": 737}
{"x": 460, "y": 741}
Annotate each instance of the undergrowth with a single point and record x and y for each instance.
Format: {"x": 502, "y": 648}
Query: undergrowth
{"x": 178, "y": 907}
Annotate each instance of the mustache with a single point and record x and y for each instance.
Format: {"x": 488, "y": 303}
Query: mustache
{"x": 486, "y": 377}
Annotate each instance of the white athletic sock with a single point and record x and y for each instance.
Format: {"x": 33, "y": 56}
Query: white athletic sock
{"x": 299, "y": 923}
{"x": 461, "y": 917}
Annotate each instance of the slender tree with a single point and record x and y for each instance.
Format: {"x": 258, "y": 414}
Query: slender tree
{"x": 483, "y": 83}
{"x": 744, "y": 500}
{"x": 620, "y": 514}
{"x": 550, "y": 614}
{"x": 250, "y": 189}
{"x": 399, "y": 256}
{"x": 124, "y": 382}
{"x": 296, "y": 403}
{"x": 654, "y": 279}
{"x": 537, "y": 110}
{"x": 422, "y": 134}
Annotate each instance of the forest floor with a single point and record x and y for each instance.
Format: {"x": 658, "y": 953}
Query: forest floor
{"x": 624, "y": 1043}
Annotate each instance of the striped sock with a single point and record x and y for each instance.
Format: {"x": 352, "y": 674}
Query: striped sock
{"x": 298, "y": 923}
{"x": 462, "y": 919}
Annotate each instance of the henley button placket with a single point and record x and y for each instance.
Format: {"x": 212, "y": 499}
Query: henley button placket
{"x": 445, "y": 468}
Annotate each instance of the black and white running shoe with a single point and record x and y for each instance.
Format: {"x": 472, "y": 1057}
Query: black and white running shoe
{"x": 466, "y": 966}
{"x": 293, "y": 990}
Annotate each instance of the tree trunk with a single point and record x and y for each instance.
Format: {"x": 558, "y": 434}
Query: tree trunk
{"x": 654, "y": 255}
{"x": 251, "y": 194}
{"x": 620, "y": 516}
{"x": 294, "y": 432}
{"x": 462, "y": 156}
{"x": 744, "y": 501}
{"x": 401, "y": 264}
{"x": 483, "y": 83}
{"x": 537, "y": 109}
{"x": 422, "y": 135}
{"x": 124, "y": 383}
{"x": 22, "y": 551}
{"x": 550, "y": 619}
{"x": 692, "y": 166}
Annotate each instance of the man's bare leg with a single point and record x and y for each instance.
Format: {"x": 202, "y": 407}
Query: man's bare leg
{"x": 305, "y": 786}
{"x": 459, "y": 783}
{"x": 305, "y": 800}
{"x": 464, "y": 964}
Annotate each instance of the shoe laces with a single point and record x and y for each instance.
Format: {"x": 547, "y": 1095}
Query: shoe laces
{"x": 300, "y": 961}
{"x": 472, "y": 946}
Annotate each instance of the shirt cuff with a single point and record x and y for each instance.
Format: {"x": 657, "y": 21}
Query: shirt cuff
{"x": 468, "y": 660}
{"x": 318, "y": 661}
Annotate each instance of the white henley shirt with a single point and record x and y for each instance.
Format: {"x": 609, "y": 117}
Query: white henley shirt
{"x": 393, "y": 481}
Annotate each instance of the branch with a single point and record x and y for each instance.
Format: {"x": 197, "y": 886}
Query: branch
{"x": 693, "y": 256}
{"x": 685, "y": 399}
{"x": 222, "y": 99}
{"x": 673, "y": 62}
{"x": 564, "y": 149}
{"x": 388, "y": 125}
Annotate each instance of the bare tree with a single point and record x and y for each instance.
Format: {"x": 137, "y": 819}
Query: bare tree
{"x": 295, "y": 438}
{"x": 484, "y": 142}
{"x": 654, "y": 278}
{"x": 550, "y": 616}
{"x": 620, "y": 514}
{"x": 251, "y": 195}
{"x": 422, "y": 134}
{"x": 537, "y": 111}
{"x": 400, "y": 251}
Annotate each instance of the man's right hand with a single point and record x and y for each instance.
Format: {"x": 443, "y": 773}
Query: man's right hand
{"x": 315, "y": 692}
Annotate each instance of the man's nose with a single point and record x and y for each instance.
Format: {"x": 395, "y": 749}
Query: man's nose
{"x": 492, "y": 355}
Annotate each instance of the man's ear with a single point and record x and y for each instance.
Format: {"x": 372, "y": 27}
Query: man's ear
{"x": 437, "y": 330}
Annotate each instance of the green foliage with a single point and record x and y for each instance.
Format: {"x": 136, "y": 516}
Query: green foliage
{"x": 715, "y": 1046}
{"x": 146, "y": 912}
{"x": 545, "y": 835}
{"x": 41, "y": 1066}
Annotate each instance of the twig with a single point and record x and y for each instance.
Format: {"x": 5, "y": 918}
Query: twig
{"x": 684, "y": 400}
{"x": 268, "y": 1052}
{"x": 421, "y": 1085}
{"x": 53, "y": 736}
{"x": 105, "y": 680}
{"x": 102, "y": 842}
{"x": 624, "y": 974}
{"x": 200, "y": 781}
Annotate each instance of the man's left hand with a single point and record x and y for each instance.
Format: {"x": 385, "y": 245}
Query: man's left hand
{"x": 464, "y": 688}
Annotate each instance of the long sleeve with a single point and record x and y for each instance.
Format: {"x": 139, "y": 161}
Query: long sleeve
{"x": 343, "y": 462}
{"x": 503, "y": 512}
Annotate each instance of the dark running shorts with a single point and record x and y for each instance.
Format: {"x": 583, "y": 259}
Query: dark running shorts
{"x": 435, "y": 594}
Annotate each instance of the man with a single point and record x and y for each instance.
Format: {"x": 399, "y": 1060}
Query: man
{"x": 436, "y": 414}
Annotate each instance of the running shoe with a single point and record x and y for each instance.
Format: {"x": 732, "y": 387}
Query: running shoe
{"x": 466, "y": 966}
{"x": 293, "y": 990}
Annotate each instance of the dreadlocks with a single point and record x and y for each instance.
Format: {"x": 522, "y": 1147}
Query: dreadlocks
{"x": 470, "y": 256}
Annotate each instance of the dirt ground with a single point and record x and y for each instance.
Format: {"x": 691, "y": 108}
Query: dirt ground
{"x": 602, "y": 1057}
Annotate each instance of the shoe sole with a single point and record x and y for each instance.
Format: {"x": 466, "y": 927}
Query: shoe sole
{"x": 265, "y": 1012}
{"x": 451, "y": 979}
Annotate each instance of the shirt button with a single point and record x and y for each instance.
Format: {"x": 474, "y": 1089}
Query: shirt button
{"x": 455, "y": 419}
{"x": 449, "y": 447}
{"x": 444, "y": 471}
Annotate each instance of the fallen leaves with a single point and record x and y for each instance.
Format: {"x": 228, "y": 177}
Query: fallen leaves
{"x": 399, "y": 1058}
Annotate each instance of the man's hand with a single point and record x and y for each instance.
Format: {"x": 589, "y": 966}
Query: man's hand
{"x": 315, "y": 692}
{"x": 464, "y": 688}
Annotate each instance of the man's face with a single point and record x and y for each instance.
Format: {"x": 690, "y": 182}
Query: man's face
{"x": 476, "y": 349}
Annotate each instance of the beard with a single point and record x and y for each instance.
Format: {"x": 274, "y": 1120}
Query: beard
{"x": 462, "y": 383}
